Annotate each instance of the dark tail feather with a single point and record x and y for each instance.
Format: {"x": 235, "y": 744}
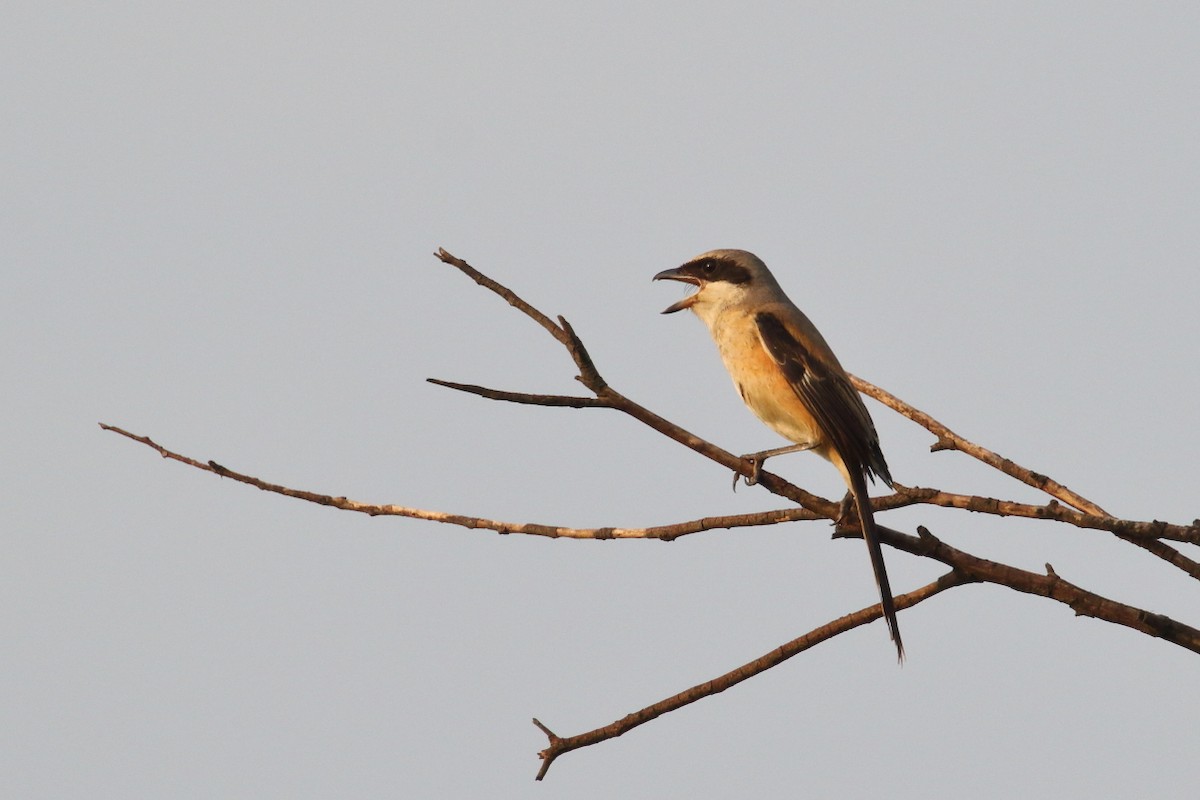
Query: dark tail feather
{"x": 866, "y": 518}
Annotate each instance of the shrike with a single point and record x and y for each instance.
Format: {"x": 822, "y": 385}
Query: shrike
{"x": 790, "y": 379}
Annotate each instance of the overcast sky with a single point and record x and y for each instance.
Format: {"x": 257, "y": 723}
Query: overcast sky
{"x": 217, "y": 226}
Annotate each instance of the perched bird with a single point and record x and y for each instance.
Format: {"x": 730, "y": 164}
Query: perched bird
{"x": 790, "y": 379}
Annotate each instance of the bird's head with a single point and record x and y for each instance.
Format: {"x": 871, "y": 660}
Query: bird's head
{"x": 722, "y": 278}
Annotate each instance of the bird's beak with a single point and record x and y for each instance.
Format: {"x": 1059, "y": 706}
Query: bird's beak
{"x": 682, "y": 277}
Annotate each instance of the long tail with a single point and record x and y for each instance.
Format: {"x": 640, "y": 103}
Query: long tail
{"x": 858, "y": 487}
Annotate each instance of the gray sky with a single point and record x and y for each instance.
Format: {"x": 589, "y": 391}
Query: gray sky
{"x": 217, "y": 231}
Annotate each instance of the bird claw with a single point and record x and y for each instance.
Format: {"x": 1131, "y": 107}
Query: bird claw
{"x": 755, "y": 471}
{"x": 847, "y": 515}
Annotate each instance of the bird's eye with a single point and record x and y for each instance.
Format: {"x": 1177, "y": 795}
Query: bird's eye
{"x": 708, "y": 267}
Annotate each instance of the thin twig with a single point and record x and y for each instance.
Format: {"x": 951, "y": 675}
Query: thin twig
{"x": 664, "y": 533}
{"x": 508, "y": 294}
{"x": 565, "y": 744}
{"x": 659, "y": 532}
{"x": 1127, "y": 529}
{"x": 570, "y": 401}
{"x": 949, "y": 440}
{"x": 1166, "y": 553}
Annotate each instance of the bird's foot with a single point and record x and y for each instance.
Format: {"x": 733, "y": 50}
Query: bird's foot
{"x": 847, "y": 518}
{"x": 756, "y": 461}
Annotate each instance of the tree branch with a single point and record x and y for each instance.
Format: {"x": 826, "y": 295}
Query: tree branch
{"x": 1050, "y": 585}
{"x": 1067, "y": 506}
{"x": 1127, "y": 529}
{"x": 949, "y": 440}
{"x": 570, "y": 401}
{"x": 508, "y": 294}
{"x": 664, "y": 533}
{"x": 565, "y": 744}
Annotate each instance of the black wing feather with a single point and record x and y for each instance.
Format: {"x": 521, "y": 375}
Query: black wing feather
{"x": 829, "y": 395}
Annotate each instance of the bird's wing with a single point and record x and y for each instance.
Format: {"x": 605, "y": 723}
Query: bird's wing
{"x": 823, "y": 387}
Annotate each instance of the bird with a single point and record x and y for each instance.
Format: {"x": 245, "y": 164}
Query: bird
{"x": 789, "y": 377}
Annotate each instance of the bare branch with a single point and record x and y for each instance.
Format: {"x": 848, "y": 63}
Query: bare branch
{"x": 1166, "y": 553}
{"x": 565, "y": 744}
{"x": 1123, "y": 529}
{"x": 662, "y": 532}
{"x": 949, "y": 440}
{"x": 665, "y": 533}
{"x": 1083, "y": 602}
{"x": 508, "y": 294}
{"x": 522, "y": 397}
{"x": 1127, "y": 529}
{"x": 588, "y": 375}
{"x": 965, "y": 568}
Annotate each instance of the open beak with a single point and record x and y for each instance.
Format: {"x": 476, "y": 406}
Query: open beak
{"x": 682, "y": 277}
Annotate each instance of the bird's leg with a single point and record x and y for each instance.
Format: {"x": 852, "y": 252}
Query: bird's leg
{"x": 757, "y": 459}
